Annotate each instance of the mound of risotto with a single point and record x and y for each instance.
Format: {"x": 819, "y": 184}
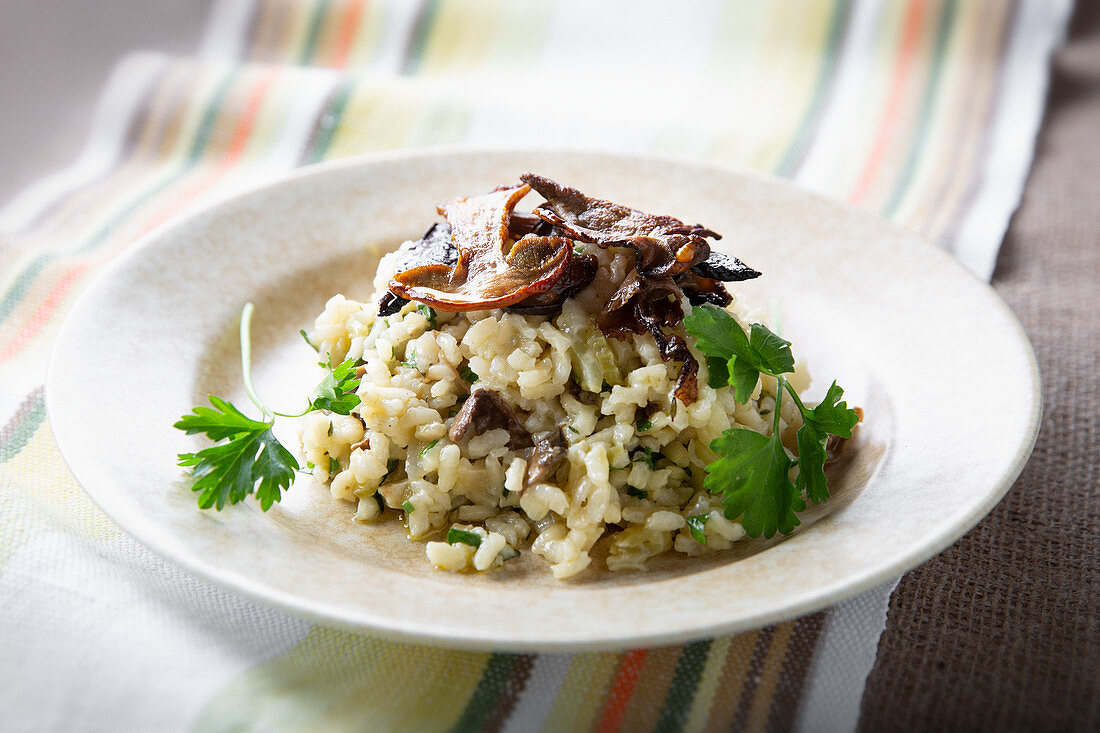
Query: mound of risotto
{"x": 527, "y": 385}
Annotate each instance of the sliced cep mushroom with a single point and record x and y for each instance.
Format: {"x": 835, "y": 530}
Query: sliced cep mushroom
{"x": 490, "y": 272}
{"x": 485, "y": 410}
{"x": 700, "y": 290}
{"x": 550, "y": 449}
{"x": 521, "y": 224}
{"x": 581, "y": 271}
{"x": 721, "y": 266}
{"x": 663, "y": 245}
{"x": 649, "y": 305}
{"x": 703, "y": 282}
{"x": 434, "y": 248}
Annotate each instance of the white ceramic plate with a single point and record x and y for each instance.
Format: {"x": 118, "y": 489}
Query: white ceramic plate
{"x": 938, "y": 362}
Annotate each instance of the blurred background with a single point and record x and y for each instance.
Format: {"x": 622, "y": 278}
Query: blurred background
{"x": 55, "y": 57}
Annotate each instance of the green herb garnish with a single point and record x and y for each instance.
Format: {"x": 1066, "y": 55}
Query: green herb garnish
{"x": 636, "y": 492}
{"x": 411, "y": 361}
{"x": 643, "y": 425}
{"x": 336, "y": 392}
{"x": 333, "y": 465}
{"x": 428, "y": 447}
{"x": 252, "y": 459}
{"x": 468, "y": 375}
{"x": 752, "y": 472}
{"x": 407, "y": 506}
{"x": 305, "y": 336}
{"x": 695, "y": 526}
{"x": 455, "y": 535}
{"x": 648, "y": 457}
{"x": 391, "y": 466}
{"x": 247, "y": 458}
{"x": 428, "y": 312}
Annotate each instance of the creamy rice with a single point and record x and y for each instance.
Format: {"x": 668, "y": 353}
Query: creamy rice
{"x": 392, "y": 453}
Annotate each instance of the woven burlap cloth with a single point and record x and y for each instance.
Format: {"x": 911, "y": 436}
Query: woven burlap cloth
{"x": 1002, "y": 631}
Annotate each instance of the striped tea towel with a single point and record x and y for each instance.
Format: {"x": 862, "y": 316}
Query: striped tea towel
{"x": 922, "y": 110}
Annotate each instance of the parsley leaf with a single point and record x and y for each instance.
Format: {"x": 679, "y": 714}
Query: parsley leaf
{"x": 734, "y": 357}
{"x": 751, "y": 475}
{"x": 336, "y": 392}
{"x": 455, "y": 535}
{"x": 428, "y": 312}
{"x": 696, "y": 526}
{"x": 253, "y": 461}
{"x": 752, "y": 471}
{"x": 647, "y": 456}
{"x": 247, "y": 458}
{"x": 831, "y": 417}
{"x": 305, "y": 336}
{"x": 468, "y": 375}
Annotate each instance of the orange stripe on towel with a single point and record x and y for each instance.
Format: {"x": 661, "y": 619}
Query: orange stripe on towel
{"x": 899, "y": 89}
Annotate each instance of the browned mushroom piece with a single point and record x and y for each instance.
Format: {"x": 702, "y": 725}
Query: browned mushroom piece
{"x": 521, "y": 224}
{"x": 581, "y": 271}
{"x": 649, "y": 305}
{"x": 663, "y": 245}
{"x": 700, "y": 290}
{"x": 434, "y": 248}
{"x": 550, "y": 449}
{"x": 488, "y": 273}
{"x": 723, "y": 267}
{"x": 485, "y": 410}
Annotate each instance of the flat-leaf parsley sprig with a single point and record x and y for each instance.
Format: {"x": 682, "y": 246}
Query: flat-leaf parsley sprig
{"x": 247, "y": 457}
{"x": 753, "y": 470}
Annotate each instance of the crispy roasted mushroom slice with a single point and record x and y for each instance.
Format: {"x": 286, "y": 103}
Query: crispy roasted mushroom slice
{"x": 700, "y": 290}
{"x": 549, "y": 451}
{"x": 485, "y": 410}
{"x": 521, "y": 224}
{"x": 488, "y": 272}
{"x": 663, "y": 245}
{"x": 389, "y": 304}
{"x": 434, "y": 248}
{"x": 581, "y": 271}
{"x": 650, "y": 305}
{"x": 721, "y": 266}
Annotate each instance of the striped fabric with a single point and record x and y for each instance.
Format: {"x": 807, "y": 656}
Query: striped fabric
{"x": 922, "y": 110}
